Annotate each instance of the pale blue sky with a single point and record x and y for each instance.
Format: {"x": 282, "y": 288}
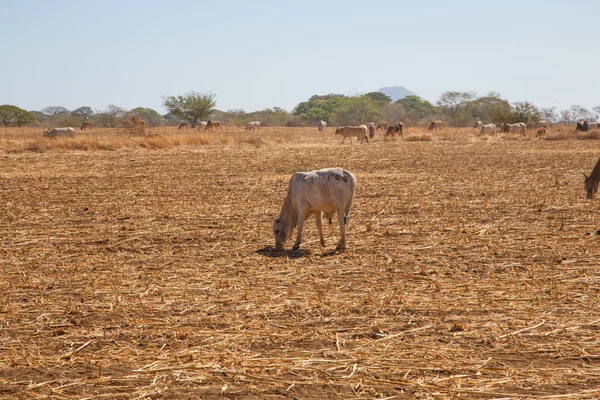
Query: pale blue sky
{"x": 259, "y": 54}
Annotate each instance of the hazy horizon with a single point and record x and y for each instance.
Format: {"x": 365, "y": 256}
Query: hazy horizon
{"x": 268, "y": 54}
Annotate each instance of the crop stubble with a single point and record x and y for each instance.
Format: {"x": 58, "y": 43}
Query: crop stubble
{"x": 145, "y": 273}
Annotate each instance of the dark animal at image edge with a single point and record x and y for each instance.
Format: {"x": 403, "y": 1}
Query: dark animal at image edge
{"x": 591, "y": 182}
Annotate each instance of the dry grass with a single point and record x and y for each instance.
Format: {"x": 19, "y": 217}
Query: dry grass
{"x": 472, "y": 269}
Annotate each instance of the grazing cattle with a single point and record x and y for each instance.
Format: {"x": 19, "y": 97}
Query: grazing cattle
{"x": 435, "y": 125}
{"x": 396, "y": 128}
{"x": 86, "y": 125}
{"x": 213, "y": 124}
{"x": 582, "y": 126}
{"x": 591, "y": 182}
{"x": 487, "y": 129}
{"x": 478, "y": 125}
{"x": 348, "y": 131}
{"x": 541, "y": 132}
{"x": 542, "y": 124}
{"x": 201, "y": 125}
{"x": 250, "y": 126}
{"x": 328, "y": 191}
{"x": 54, "y": 133}
{"x": 183, "y": 125}
{"x": 519, "y": 127}
{"x": 383, "y": 125}
{"x": 322, "y": 126}
{"x": 371, "y": 128}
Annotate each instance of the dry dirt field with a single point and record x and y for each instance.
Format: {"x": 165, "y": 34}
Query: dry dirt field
{"x": 142, "y": 268}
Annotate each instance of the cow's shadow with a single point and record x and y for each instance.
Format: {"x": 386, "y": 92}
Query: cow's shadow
{"x": 273, "y": 252}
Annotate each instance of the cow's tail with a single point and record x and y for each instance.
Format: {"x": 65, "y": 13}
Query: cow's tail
{"x": 352, "y": 180}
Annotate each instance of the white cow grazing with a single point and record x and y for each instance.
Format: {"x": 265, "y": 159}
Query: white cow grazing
{"x": 486, "y": 129}
{"x": 348, "y": 131}
{"x": 328, "y": 191}
{"x": 250, "y": 126}
{"x": 201, "y": 125}
{"x": 53, "y": 133}
{"x": 322, "y": 126}
{"x": 519, "y": 127}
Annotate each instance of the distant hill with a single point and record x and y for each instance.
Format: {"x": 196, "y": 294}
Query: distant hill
{"x": 396, "y": 92}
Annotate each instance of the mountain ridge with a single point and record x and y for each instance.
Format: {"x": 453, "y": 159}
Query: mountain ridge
{"x": 396, "y": 92}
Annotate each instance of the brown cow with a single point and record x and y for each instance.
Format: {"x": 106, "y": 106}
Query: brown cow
{"x": 591, "y": 182}
{"x": 541, "y": 132}
{"x": 213, "y": 124}
{"x": 396, "y": 128}
{"x": 86, "y": 125}
{"x": 383, "y": 125}
{"x": 371, "y": 128}
{"x": 435, "y": 125}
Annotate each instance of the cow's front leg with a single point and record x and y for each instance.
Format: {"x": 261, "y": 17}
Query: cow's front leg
{"x": 320, "y": 228}
{"x": 301, "y": 218}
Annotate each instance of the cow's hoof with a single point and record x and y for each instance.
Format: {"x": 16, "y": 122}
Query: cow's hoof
{"x": 295, "y": 248}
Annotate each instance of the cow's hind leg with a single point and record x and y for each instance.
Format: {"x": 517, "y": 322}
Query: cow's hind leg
{"x": 342, "y": 221}
{"x": 320, "y": 228}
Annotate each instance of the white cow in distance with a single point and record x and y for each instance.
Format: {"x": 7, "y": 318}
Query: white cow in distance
{"x": 486, "y": 129}
{"x": 54, "y": 133}
{"x": 328, "y": 191}
{"x": 250, "y": 126}
{"x": 322, "y": 126}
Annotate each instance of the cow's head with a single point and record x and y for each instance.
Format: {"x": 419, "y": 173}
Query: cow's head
{"x": 591, "y": 186}
{"x": 337, "y": 130}
{"x": 281, "y": 231}
{"x": 46, "y": 132}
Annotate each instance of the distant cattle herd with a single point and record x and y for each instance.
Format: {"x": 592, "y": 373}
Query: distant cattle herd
{"x": 137, "y": 124}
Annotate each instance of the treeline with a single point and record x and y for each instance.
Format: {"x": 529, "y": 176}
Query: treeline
{"x": 459, "y": 109}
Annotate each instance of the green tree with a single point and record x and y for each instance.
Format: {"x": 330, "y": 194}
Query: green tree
{"x": 490, "y": 109}
{"x": 525, "y": 111}
{"x": 39, "y": 117}
{"x": 378, "y": 96}
{"x": 275, "y": 116}
{"x": 320, "y": 108}
{"x": 152, "y": 117}
{"x": 357, "y": 110}
{"x": 83, "y": 113}
{"x": 13, "y": 115}
{"x": 455, "y": 106}
{"x": 192, "y": 106}
{"x": 237, "y": 116}
{"x": 417, "y": 109}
